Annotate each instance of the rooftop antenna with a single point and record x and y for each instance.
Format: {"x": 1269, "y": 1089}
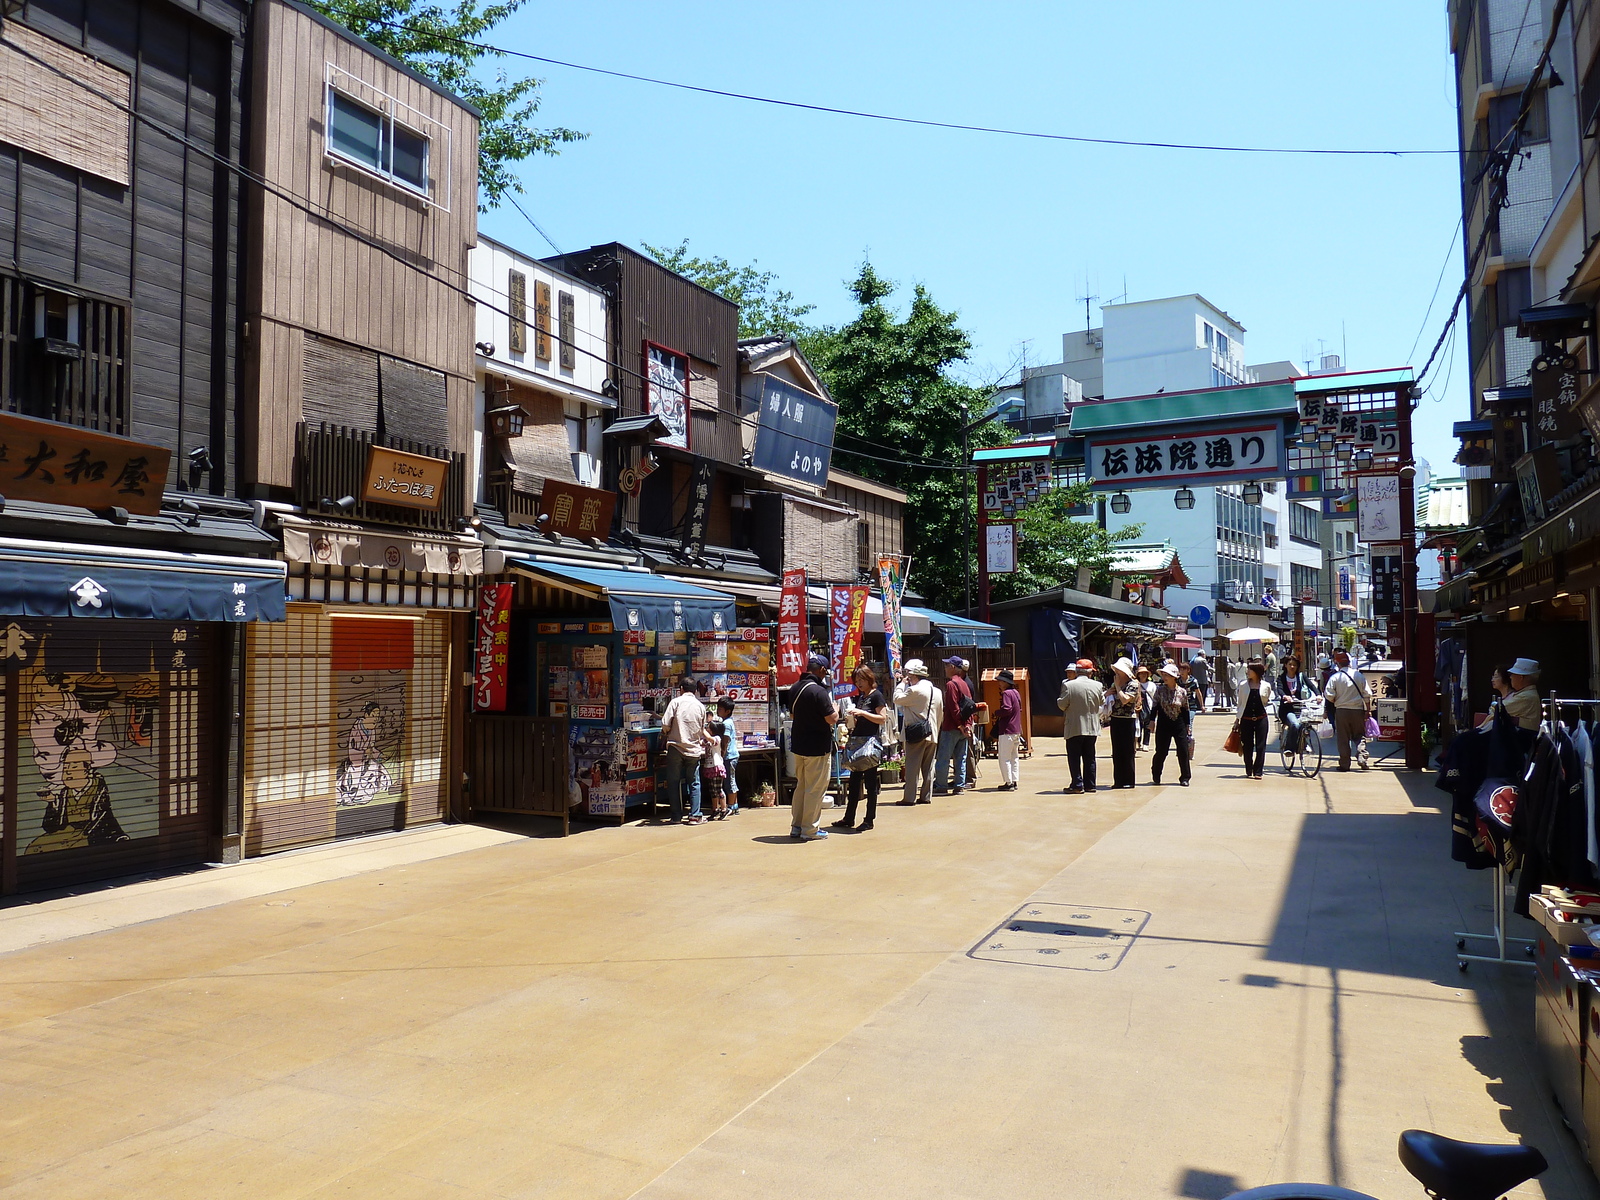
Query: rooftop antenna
{"x": 1124, "y": 295}
{"x": 1086, "y": 299}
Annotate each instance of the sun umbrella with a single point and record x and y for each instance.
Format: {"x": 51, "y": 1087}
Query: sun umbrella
{"x": 1252, "y": 633}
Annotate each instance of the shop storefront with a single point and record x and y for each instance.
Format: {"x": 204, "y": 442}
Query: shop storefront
{"x": 114, "y": 706}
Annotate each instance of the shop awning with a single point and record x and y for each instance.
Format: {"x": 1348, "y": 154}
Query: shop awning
{"x": 960, "y": 631}
{"x": 639, "y": 599}
{"x": 912, "y": 622}
{"x": 1182, "y": 642}
{"x": 43, "y": 579}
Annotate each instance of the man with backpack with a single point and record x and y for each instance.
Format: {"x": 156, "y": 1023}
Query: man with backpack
{"x": 950, "y": 763}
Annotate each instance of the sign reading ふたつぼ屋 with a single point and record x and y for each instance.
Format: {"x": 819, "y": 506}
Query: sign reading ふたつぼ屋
{"x": 409, "y": 480}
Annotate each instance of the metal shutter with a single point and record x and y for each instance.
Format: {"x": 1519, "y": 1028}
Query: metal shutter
{"x": 289, "y": 733}
{"x": 414, "y": 403}
{"x": 340, "y": 384}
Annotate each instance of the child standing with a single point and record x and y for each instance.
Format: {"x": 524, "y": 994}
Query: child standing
{"x": 730, "y": 752}
{"x": 713, "y": 769}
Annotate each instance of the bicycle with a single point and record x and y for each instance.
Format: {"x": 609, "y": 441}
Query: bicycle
{"x": 1446, "y": 1169}
{"x": 1302, "y": 754}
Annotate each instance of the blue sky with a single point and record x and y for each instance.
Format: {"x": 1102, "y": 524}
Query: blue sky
{"x": 1310, "y": 253}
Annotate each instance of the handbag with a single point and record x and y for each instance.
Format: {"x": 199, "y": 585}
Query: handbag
{"x": 1370, "y": 729}
{"x": 1235, "y": 741}
{"x": 918, "y": 730}
{"x": 864, "y": 753}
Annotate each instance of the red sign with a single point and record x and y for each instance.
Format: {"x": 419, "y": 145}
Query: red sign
{"x": 492, "y": 653}
{"x": 792, "y": 628}
{"x": 847, "y": 610}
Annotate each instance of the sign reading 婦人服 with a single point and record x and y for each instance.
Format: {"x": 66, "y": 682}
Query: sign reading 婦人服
{"x": 1199, "y": 455}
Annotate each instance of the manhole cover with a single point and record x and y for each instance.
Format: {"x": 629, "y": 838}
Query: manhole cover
{"x": 1077, "y": 937}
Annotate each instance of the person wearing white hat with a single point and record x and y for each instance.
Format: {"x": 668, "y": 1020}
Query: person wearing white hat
{"x": 1126, "y": 699}
{"x": 1348, "y": 696}
{"x": 921, "y": 711}
{"x": 1522, "y": 705}
{"x": 1173, "y": 721}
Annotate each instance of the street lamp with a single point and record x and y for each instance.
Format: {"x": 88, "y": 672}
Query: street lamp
{"x": 1325, "y": 439}
{"x": 1121, "y": 503}
{"x": 1343, "y": 451}
{"x": 1252, "y": 492}
{"x": 1363, "y": 460}
{"x": 1183, "y": 498}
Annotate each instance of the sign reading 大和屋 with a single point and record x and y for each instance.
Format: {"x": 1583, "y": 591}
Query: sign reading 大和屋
{"x": 1197, "y": 455}
{"x": 64, "y": 464}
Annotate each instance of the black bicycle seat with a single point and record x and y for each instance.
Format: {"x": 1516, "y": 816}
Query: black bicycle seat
{"x": 1467, "y": 1170}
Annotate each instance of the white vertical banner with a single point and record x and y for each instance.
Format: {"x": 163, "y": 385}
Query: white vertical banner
{"x": 1378, "y": 507}
{"x": 1001, "y": 549}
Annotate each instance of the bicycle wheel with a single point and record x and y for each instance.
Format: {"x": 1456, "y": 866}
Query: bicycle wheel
{"x": 1311, "y": 753}
{"x": 1290, "y": 766}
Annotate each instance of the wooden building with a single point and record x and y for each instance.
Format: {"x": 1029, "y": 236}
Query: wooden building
{"x": 356, "y": 396}
{"x": 127, "y": 562}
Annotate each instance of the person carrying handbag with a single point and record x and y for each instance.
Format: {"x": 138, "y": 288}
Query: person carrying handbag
{"x": 1252, "y": 724}
{"x": 921, "y": 712}
{"x": 1349, "y": 696}
{"x": 864, "y": 751}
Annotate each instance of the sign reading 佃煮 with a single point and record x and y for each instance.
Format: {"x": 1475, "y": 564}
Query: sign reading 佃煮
{"x": 491, "y": 654}
{"x": 409, "y": 480}
{"x": 792, "y": 627}
{"x": 1216, "y": 454}
{"x": 794, "y": 433}
{"x": 576, "y": 511}
{"x": 63, "y": 464}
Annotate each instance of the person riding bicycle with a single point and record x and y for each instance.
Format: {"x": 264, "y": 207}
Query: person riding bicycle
{"x": 1294, "y": 689}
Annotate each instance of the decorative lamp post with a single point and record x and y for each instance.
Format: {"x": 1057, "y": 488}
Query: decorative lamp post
{"x": 1121, "y": 503}
{"x": 1184, "y": 498}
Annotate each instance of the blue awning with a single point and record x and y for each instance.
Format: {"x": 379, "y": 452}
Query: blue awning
{"x": 639, "y": 599}
{"x": 40, "y": 579}
{"x": 961, "y": 631}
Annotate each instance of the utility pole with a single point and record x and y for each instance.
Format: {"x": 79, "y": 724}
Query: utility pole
{"x": 1405, "y": 401}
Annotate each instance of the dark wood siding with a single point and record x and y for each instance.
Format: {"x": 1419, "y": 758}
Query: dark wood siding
{"x": 166, "y": 245}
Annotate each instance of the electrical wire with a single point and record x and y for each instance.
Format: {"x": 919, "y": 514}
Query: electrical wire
{"x": 1081, "y": 139}
{"x": 1422, "y": 328}
{"x": 539, "y": 228}
{"x": 302, "y": 204}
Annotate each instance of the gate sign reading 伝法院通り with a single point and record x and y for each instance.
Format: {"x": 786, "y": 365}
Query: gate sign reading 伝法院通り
{"x": 1198, "y": 455}
{"x": 794, "y": 433}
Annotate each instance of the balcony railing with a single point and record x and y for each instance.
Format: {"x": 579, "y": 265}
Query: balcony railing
{"x": 517, "y": 507}
{"x": 331, "y": 463}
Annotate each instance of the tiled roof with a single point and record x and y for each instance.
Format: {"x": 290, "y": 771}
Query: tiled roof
{"x": 1446, "y": 505}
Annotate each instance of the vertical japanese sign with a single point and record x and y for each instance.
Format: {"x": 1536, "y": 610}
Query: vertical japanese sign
{"x": 493, "y": 647}
{"x": 847, "y": 611}
{"x": 1000, "y": 544}
{"x": 892, "y": 585}
{"x": 1378, "y": 507}
{"x": 698, "y": 513}
{"x": 1347, "y": 589}
{"x": 1555, "y": 400}
{"x": 794, "y": 433}
{"x": 792, "y": 628}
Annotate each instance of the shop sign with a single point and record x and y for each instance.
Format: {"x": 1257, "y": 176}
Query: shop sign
{"x": 794, "y": 433}
{"x": 576, "y": 511}
{"x": 792, "y": 628}
{"x": 666, "y": 392}
{"x": 1000, "y": 543}
{"x": 891, "y": 585}
{"x": 1390, "y": 714}
{"x": 408, "y": 480}
{"x": 1555, "y": 402}
{"x": 492, "y": 654}
{"x": 1385, "y": 585}
{"x": 63, "y": 464}
{"x": 1377, "y": 507}
{"x": 1538, "y": 478}
{"x": 1347, "y": 589}
{"x": 1199, "y": 455}
{"x": 698, "y": 514}
{"x": 847, "y": 612}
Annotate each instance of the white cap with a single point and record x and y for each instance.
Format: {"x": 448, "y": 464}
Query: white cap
{"x": 914, "y": 666}
{"x": 1525, "y": 666}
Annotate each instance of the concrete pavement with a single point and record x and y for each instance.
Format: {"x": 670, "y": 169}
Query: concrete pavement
{"x": 719, "y": 1011}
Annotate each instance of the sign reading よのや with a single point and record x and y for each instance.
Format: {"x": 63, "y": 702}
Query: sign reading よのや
{"x": 1126, "y": 459}
{"x": 794, "y": 433}
{"x": 409, "y": 480}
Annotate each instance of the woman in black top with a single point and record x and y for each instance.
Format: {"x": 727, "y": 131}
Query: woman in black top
{"x": 866, "y": 719}
{"x": 1253, "y": 725}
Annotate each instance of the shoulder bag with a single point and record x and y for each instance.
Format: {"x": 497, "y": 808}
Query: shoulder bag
{"x": 918, "y": 730}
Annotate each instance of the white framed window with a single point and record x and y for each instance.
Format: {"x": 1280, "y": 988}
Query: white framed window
{"x": 379, "y": 135}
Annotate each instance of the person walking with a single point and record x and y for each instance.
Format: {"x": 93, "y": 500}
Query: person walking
{"x": 919, "y": 703}
{"x": 1521, "y": 702}
{"x": 1008, "y": 731}
{"x": 683, "y": 729}
{"x": 1147, "y": 705}
{"x": 730, "y": 751}
{"x": 1172, "y": 724}
{"x": 1294, "y": 689}
{"x": 1348, "y": 695}
{"x": 1125, "y": 701}
{"x": 867, "y": 719}
{"x": 1271, "y": 659}
{"x": 813, "y": 717}
{"x": 1200, "y": 666}
{"x": 1080, "y": 701}
{"x": 950, "y": 764}
{"x": 1255, "y": 702}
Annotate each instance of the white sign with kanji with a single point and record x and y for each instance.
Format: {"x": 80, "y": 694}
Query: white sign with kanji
{"x": 1158, "y": 458}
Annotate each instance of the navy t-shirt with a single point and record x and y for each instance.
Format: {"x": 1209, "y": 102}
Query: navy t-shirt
{"x": 810, "y": 703}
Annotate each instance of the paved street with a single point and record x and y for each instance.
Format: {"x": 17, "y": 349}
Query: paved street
{"x": 716, "y": 1011}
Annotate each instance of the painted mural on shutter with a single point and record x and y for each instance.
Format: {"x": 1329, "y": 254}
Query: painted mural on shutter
{"x": 109, "y": 757}
{"x": 517, "y": 306}
{"x": 568, "y": 330}
{"x": 541, "y": 321}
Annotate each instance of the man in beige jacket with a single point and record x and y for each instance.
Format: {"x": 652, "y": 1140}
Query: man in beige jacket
{"x": 1080, "y": 700}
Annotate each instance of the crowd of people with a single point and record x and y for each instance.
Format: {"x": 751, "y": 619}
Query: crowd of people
{"x": 937, "y": 734}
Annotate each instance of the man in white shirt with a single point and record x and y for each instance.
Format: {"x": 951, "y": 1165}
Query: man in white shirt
{"x": 1347, "y": 695}
{"x": 683, "y": 731}
{"x": 918, "y": 700}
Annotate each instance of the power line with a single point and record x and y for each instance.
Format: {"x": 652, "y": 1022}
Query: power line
{"x": 1082, "y": 139}
{"x": 1421, "y": 329}
{"x": 534, "y": 223}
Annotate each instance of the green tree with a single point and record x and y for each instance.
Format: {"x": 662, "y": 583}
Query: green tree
{"x": 445, "y": 42}
{"x": 1054, "y": 544}
{"x": 765, "y": 309}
